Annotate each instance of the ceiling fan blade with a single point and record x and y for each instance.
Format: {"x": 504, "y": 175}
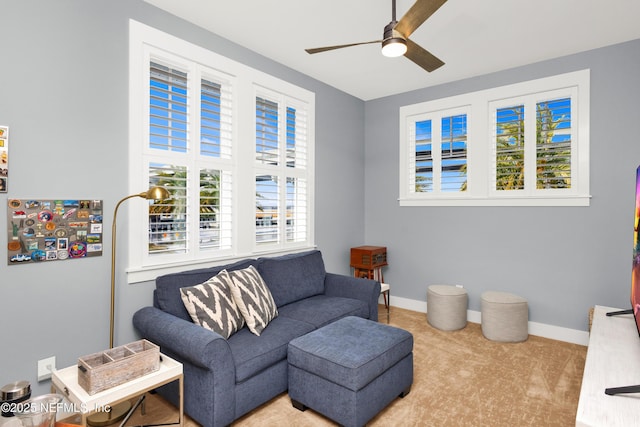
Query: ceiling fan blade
{"x": 416, "y": 15}
{"x": 421, "y": 57}
{"x": 324, "y": 49}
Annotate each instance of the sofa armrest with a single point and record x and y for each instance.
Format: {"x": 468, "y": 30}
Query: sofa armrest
{"x": 339, "y": 285}
{"x": 208, "y": 366}
{"x": 187, "y": 341}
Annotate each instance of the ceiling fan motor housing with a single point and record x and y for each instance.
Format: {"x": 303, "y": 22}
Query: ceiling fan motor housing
{"x": 391, "y": 33}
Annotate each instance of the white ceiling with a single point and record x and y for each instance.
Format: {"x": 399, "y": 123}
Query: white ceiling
{"x": 472, "y": 37}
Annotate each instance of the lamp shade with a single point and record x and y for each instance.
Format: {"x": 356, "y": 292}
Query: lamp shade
{"x": 157, "y": 193}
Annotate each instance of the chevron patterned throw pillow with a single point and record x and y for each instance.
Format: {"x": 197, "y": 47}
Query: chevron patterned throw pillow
{"x": 253, "y": 298}
{"x": 211, "y": 305}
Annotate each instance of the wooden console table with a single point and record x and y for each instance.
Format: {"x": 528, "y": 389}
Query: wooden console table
{"x": 613, "y": 360}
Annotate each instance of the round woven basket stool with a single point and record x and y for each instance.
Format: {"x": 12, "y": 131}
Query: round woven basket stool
{"x": 505, "y": 317}
{"x": 447, "y": 307}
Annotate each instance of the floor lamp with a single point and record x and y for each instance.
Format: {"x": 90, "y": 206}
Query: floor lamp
{"x": 120, "y": 411}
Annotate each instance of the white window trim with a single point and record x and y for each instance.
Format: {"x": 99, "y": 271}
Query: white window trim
{"x": 142, "y": 39}
{"x": 480, "y": 145}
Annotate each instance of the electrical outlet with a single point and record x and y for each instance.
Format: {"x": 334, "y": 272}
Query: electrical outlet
{"x": 46, "y": 367}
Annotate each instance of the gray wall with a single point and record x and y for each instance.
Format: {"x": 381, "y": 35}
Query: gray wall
{"x": 562, "y": 259}
{"x": 64, "y": 94}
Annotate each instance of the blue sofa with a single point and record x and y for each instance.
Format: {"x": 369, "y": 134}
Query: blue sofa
{"x": 225, "y": 379}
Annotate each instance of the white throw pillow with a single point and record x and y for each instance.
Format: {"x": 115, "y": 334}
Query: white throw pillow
{"x": 253, "y": 298}
{"x": 212, "y": 306}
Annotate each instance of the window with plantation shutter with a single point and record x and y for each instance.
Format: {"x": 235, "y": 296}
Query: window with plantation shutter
{"x": 438, "y": 144}
{"x": 525, "y": 144}
{"x": 232, "y": 145}
{"x": 189, "y": 141}
{"x": 533, "y": 144}
{"x": 281, "y": 190}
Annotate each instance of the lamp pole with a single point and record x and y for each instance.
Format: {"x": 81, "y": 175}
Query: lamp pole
{"x": 154, "y": 193}
{"x": 121, "y": 410}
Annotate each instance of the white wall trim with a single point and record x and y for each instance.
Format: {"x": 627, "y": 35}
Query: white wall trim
{"x": 553, "y": 332}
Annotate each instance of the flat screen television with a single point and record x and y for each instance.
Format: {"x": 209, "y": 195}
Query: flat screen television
{"x": 635, "y": 283}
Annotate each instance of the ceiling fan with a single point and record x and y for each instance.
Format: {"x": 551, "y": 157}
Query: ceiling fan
{"x": 396, "y": 34}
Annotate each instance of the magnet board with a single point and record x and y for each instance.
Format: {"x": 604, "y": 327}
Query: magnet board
{"x": 53, "y": 230}
{"x": 4, "y": 158}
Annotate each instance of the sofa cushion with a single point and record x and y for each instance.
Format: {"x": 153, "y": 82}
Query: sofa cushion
{"x": 253, "y": 354}
{"x": 211, "y": 305}
{"x": 253, "y": 298}
{"x": 167, "y": 292}
{"x": 293, "y": 277}
{"x": 321, "y": 310}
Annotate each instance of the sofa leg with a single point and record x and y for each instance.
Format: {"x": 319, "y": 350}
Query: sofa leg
{"x": 405, "y": 392}
{"x": 299, "y": 406}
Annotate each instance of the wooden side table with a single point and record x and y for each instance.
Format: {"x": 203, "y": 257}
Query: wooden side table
{"x": 386, "y": 294}
{"x": 367, "y": 262}
{"x": 65, "y": 382}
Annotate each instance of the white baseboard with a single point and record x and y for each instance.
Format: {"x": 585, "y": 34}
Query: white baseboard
{"x": 559, "y": 333}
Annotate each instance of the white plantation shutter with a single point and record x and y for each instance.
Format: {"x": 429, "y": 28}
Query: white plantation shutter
{"x": 216, "y": 215}
{"x": 267, "y": 209}
{"x": 168, "y": 227}
{"x": 168, "y": 110}
{"x": 553, "y": 144}
{"x": 510, "y": 148}
{"x": 297, "y": 137}
{"x": 267, "y": 132}
{"x": 422, "y": 158}
{"x": 296, "y": 207}
{"x": 216, "y": 120}
{"x": 454, "y": 153}
{"x": 282, "y": 202}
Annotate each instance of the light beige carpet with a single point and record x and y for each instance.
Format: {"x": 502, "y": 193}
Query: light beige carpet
{"x": 460, "y": 379}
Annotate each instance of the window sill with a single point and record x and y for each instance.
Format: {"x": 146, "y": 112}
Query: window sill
{"x": 502, "y": 201}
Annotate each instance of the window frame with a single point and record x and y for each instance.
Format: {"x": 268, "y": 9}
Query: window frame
{"x": 147, "y": 44}
{"x": 481, "y": 109}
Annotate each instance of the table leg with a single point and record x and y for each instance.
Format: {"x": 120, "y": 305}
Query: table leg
{"x": 387, "y": 300}
{"x": 181, "y": 413}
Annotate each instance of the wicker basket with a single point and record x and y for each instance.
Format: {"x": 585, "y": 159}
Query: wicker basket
{"x": 109, "y": 368}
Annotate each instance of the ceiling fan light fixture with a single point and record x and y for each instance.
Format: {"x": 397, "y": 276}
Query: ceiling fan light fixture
{"x": 394, "y": 47}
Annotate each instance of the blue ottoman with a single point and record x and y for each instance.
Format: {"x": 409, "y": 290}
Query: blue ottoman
{"x": 350, "y": 370}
